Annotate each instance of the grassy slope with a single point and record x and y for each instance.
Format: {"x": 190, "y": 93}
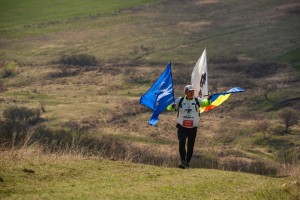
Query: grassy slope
{"x": 293, "y": 58}
{"x": 178, "y": 33}
{"x": 74, "y": 177}
{"x": 14, "y": 14}
{"x": 175, "y": 35}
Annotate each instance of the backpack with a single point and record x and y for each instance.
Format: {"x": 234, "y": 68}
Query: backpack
{"x": 179, "y": 105}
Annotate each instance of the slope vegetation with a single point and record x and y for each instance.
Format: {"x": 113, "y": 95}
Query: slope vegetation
{"x": 93, "y": 110}
{"x": 27, "y": 175}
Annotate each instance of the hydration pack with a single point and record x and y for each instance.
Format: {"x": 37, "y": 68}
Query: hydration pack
{"x": 180, "y": 102}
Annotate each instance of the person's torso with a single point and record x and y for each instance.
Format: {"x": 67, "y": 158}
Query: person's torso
{"x": 188, "y": 113}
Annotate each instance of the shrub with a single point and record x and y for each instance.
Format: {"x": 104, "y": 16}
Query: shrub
{"x": 16, "y": 123}
{"x": 42, "y": 135}
{"x": 2, "y": 86}
{"x": 263, "y": 126}
{"x": 79, "y": 59}
{"x": 61, "y": 140}
{"x": 117, "y": 149}
{"x": 289, "y": 117}
{"x": 9, "y": 69}
{"x": 256, "y": 166}
{"x": 22, "y": 115}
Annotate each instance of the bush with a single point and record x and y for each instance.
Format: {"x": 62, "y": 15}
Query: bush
{"x": 16, "y": 123}
{"x": 256, "y": 166}
{"x": 2, "y": 86}
{"x": 22, "y": 115}
{"x": 289, "y": 118}
{"x": 79, "y": 59}
{"x": 9, "y": 69}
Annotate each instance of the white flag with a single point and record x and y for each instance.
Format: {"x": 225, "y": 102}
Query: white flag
{"x": 199, "y": 77}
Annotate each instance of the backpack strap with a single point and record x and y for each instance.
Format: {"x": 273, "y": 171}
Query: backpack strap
{"x": 179, "y": 105}
{"x": 180, "y": 102}
{"x": 198, "y": 104}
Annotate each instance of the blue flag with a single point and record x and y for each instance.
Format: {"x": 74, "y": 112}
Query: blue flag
{"x": 160, "y": 95}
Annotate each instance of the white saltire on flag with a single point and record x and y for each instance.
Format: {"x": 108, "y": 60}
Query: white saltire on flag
{"x": 199, "y": 77}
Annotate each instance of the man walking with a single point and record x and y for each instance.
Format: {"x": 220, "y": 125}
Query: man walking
{"x": 188, "y": 115}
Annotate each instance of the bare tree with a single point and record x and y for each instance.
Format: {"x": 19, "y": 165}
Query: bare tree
{"x": 263, "y": 126}
{"x": 289, "y": 118}
{"x": 267, "y": 89}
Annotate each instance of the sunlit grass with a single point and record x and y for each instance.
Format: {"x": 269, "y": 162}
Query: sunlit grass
{"x": 121, "y": 36}
{"x": 15, "y": 13}
{"x": 70, "y": 176}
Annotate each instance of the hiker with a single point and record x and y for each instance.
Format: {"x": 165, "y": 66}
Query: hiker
{"x": 188, "y": 115}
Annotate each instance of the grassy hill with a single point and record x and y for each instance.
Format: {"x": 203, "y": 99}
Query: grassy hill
{"x": 26, "y": 174}
{"x": 170, "y": 30}
{"x": 93, "y": 111}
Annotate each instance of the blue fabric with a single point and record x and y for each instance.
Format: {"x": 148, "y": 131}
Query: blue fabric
{"x": 235, "y": 89}
{"x": 160, "y": 95}
{"x": 232, "y": 90}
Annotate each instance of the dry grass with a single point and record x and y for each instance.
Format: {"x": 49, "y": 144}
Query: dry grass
{"x": 28, "y": 173}
{"x": 113, "y": 110}
{"x": 106, "y": 97}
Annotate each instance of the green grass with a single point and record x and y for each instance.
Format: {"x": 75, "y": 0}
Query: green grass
{"x": 293, "y": 58}
{"x": 21, "y": 20}
{"x": 14, "y": 13}
{"x": 48, "y": 33}
{"x": 73, "y": 177}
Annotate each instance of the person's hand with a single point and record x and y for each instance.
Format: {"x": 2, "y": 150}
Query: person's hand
{"x": 209, "y": 97}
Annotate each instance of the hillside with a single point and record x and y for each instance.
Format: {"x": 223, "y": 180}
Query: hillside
{"x": 31, "y": 175}
{"x": 93, "y": 110}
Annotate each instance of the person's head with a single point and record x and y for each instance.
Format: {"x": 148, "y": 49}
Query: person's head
{"x": 189, "y": 91}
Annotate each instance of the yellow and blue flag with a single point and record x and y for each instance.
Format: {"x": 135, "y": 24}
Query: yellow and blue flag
{"x": 218, "y": 98}
{"x": 160, "y": 95}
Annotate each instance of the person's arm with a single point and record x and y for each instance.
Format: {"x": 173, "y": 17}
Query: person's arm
{"x": 205, "y": 102}
{"x": 173, "y": 106}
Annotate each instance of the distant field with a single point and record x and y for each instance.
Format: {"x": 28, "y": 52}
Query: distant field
{"x": 14, "y": 13}
{"x": 124, "y": 31}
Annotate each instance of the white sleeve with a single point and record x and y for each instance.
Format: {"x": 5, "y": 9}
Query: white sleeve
{"x": 199, "y": 100}
{"x": 177, "y": 100}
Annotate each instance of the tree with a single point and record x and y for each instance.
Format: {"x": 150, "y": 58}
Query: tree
{"x": 267, "y": 89}
{"x": 289, "y": 118}
{"x": 263, "y": 126}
